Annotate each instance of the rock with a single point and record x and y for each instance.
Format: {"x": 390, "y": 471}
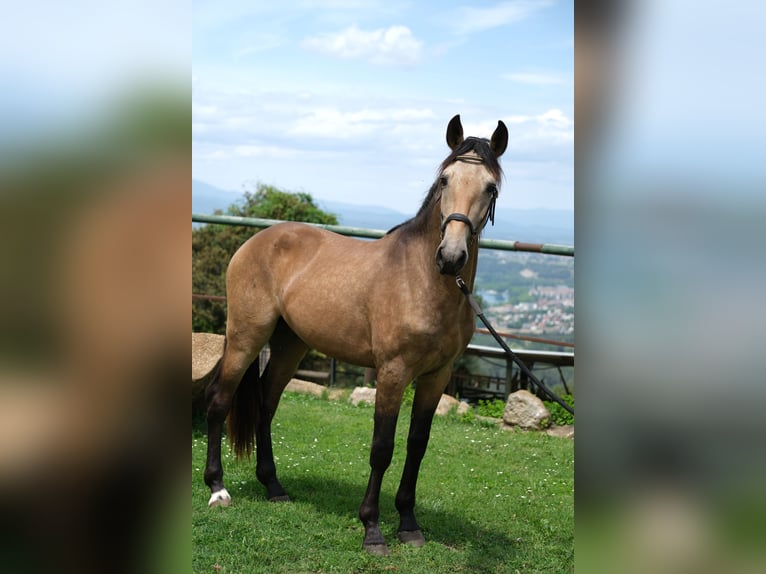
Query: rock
{"x": 305, "y": 387}
{"x": 309, "y": 388}
{"x": 362, "y": 395}
{"x": 563, "y": 431}
{"x": 525, "y": 410}
{"x": 446, "y": 404}
{"x": 207, "y": 350}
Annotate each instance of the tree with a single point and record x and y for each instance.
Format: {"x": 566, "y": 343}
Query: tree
{"x": 214, "y": 244}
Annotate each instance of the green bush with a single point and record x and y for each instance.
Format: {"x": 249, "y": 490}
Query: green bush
{"x": 491, "y": 408}
{"x": 468, "y": 416}
{"x": 559, "y": 415}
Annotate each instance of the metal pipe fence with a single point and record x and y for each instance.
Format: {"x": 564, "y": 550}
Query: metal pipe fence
{"x": 499, "y": 244}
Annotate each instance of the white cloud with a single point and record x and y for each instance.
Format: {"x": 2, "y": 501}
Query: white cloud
{"x": 467, "y": 20}
{"x": 394, "y": 45}
{"x": 336, "y": 124}
{"x": 272, "y": 152}
{"x": 553, "y": 117}
{"x": 548, "y": 136}
{"x": 541, "y": 134}
{"x": 536, "y": 78}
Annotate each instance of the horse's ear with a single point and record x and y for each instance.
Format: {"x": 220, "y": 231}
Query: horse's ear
{"x": 454, "y": 132}
{"x": 499, "y": 140}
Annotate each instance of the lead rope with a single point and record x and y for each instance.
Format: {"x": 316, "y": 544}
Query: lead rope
{"x": 480, "y": 314}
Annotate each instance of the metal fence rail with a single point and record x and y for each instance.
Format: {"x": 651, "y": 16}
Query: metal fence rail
{"x": 502, "y": 245}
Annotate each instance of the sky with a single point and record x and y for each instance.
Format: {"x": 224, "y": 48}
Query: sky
{"x": 349, "y": 100}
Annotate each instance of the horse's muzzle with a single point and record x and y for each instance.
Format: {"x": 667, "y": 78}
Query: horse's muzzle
{"x": 450, "y": 263}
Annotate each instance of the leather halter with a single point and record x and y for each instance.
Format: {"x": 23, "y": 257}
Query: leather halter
{"x": 458, "y": 217}
{"x": 489, "y": 216}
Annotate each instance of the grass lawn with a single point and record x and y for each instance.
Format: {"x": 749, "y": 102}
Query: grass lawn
{"x": 488, "y": 500}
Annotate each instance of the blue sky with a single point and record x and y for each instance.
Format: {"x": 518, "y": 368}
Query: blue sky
{"x": 349, "y": 99}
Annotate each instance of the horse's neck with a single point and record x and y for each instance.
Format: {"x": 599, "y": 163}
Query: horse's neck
{"x": 469, "y": 271}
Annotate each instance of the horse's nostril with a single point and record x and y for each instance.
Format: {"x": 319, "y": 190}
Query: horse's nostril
{"x": 439, "y": 256}
{"x": 462, "y": 260}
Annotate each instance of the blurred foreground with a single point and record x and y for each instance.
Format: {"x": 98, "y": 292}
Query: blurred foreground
{"x": 94, "y": 267}
{"x": 670, "y": 273}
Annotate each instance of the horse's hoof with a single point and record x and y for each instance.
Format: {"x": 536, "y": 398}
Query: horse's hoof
{"x": 377, "y": 549}
{"x": 220, "y": 498}
{"x": 411, "y": 537}
{"x": 280, "y": 498}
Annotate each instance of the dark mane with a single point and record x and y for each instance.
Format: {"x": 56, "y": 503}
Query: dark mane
{"x": 471, "y": 144}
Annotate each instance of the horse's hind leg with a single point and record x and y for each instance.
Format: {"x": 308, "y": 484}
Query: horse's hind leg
{"x": 287, "y": 350}
{"x": 238, "y": 361}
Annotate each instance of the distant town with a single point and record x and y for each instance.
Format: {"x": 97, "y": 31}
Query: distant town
{"x": 552, "y": 312}
{"x": 528, "y": 294}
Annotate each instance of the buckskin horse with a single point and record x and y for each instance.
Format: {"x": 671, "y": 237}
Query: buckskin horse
{"x": 390, "y": 304}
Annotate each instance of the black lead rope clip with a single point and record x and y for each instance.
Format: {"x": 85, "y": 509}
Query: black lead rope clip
{"x": 471, "y": 299}
{"x": 480, "y": 314}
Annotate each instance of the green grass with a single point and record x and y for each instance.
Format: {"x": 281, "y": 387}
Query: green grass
{"x": 489, "y": 500}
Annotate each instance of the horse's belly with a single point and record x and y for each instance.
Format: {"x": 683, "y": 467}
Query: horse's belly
{"x": 336, "y": 332}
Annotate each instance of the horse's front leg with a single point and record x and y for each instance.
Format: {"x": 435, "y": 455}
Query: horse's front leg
{"x": 427, "y": 394}
{"x": 388, "y": 400}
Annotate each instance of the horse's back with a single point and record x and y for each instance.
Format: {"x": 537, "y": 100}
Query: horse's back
{"x": 288, "y": 249}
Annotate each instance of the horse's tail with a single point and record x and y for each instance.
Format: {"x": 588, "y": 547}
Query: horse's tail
{"x": 245, "y": 409}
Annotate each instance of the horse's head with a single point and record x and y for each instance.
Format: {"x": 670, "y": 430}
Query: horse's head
{"x": 469, "y": 181}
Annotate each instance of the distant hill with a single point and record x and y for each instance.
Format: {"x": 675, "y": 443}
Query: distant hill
{"x": 530, "y": 225}
{"x": 369, "y": 216}
{"x": 533, "y": 225}
{"x": 207, "y": 198}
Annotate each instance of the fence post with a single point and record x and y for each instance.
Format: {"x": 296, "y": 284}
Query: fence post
{"x": 509, "y": 378}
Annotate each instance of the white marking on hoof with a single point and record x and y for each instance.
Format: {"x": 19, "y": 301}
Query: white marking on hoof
{"x": 220, "y": 498}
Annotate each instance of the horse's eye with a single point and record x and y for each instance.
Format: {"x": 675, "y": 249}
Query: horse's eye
{"x": 443, "y": 181}
{"x": 492, "y": 189}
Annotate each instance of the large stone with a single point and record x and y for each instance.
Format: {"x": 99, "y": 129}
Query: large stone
{"x": 305, "y": 387}
{"x": 207, "y": 350}
{"x": 446, "y": 404}
{"x": 362, "y": 395}
{"x": 463, "y": 408}
{"x": 309, "y": 388}
{"x": 525, "y": 410}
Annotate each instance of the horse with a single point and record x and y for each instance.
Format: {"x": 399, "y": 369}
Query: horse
{"x": 389, "y": 304}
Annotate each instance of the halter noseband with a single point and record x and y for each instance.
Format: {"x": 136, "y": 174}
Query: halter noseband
{"x": 458, "y": 217}
{"x": 489, "y": 216}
